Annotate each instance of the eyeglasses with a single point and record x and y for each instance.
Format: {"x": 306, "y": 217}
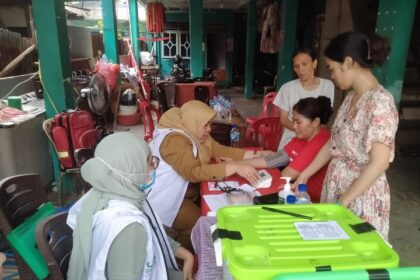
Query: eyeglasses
{"x": 155, "y": 162}
{"x": 225, "y": 187}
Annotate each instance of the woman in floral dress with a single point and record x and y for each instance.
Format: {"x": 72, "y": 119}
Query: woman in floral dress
{"x": 363, "y": 135}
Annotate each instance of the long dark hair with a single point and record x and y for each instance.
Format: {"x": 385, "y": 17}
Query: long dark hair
{"x": 367, "y": 51}
{"x": 312, "y": 108}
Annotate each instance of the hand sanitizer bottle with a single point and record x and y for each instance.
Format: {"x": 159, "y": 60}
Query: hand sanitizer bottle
{"x": 286, "y": 191}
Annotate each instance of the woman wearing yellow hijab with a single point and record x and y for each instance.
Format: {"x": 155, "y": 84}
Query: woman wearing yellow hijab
{"x": 183, "y": 143}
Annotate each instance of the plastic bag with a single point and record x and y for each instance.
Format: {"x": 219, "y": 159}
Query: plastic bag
{"x": 110, "y": 72}
{"x": 146, "y": 58}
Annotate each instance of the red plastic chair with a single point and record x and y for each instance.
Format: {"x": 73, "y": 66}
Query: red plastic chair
{"x": 269, "y": 110}
{"x": 144, "y": 90}
{"x": 147, "y": 111}
{"x": 268, "y": 132}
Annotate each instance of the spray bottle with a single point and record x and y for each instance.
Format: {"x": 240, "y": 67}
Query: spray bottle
{"x": 286, "y": 190}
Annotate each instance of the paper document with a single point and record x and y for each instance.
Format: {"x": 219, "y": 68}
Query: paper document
{"x": 321, "y": 230}
{"x": 217, "y": 201}
{"x": 232, "y": 184}
{"x": 247, "y": 188}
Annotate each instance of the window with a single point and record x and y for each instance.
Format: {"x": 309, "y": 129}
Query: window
{"x": 179, "y": 43}
{"x": 184, "y": 44}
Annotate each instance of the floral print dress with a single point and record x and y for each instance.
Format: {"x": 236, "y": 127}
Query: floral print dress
{"x": 374, "y": 118}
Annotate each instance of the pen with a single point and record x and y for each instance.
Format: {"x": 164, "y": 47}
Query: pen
{"x": 286, "y": 213}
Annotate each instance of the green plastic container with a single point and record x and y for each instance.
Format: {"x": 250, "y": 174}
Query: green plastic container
{"x": 402, "y": 273}
{"x": 271, "y": 244}
{"x": 22, "y": 238}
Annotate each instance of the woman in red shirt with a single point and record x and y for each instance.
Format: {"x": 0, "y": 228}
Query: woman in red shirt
{"x": 310, "y": 115}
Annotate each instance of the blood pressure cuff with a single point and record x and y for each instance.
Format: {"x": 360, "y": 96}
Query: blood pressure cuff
{"x": 278, "y": 159}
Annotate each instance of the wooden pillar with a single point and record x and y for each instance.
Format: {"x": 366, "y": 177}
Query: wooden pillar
{"x": 250, "y": 48}
{"x": 284, "y": 64}
{"x": 134, "y": 29}
{"x": 54, "y": 61}
{"x": 196, "y": 35}
{"x": 110, "y": 30}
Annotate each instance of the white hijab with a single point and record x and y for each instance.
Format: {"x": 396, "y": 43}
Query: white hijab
{"x": 116, "y": 171}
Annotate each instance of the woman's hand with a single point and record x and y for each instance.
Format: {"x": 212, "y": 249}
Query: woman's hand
{"x": 343, "y": 200}
{"x": 301, "y": 179}
{"x": 188, "y": 268}
{"x": 246, "y": 171}
{"x": 188, "y": 259}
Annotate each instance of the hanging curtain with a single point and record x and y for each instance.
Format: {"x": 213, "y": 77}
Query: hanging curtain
{"x": 155, "y": 20}
{"x": 270, "y": 34}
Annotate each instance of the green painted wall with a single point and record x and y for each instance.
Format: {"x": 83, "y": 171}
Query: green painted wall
{"x": 250, "y": 49}
{"x": 134, "y": 15}
{"x": 55, "y": 68}
{"x": 289, "y": 10}
{"x": 196, "y": 38}
{"x": 110, "y": 30}
{"x": 166, "y": 64}
{"x": 395, "y": 22}
{"x": 225, "y": 17}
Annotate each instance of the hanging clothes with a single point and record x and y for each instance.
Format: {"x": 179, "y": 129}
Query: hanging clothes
{"x": 261, "y": 15}
{"x": 270, "y": 35}
{"x": 155, "y": 19}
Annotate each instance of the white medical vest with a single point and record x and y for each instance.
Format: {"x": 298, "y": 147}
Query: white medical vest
{"x": 106, "y": 225}
{"x": 169, "y": 189}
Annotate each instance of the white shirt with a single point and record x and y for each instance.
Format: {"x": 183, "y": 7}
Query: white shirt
{"x": 290, "y": 93}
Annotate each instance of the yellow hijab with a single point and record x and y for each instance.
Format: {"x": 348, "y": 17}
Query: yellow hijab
{"x": 190, "y": 118}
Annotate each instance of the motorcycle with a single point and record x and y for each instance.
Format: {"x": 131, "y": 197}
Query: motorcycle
{"x": 179, "y": 72}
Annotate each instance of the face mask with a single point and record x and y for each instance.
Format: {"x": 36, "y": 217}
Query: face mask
{"x": 120, "y": 173}
{"x": 146, "y": 187}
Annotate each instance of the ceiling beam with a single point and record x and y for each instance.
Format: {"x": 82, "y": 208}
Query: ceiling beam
{"x": 241, "y": 4}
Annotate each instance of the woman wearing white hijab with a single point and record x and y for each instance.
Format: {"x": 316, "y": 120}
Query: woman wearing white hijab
{"x": 116, "y": 235}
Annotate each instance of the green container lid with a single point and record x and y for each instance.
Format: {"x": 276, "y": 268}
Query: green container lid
{"x": 271, "y": 244}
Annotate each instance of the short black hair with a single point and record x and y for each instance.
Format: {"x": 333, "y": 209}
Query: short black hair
{"x": 312, "y": 108}
{"x": 308, "y": 51}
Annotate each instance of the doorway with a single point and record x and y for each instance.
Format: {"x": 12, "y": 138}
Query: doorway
{"x": 216, "y": 50}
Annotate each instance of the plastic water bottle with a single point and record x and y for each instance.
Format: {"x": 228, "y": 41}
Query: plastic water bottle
{"x": 290, "y": 199}
{"x": 302, "y": 196}
{"x": 234, "y": 136}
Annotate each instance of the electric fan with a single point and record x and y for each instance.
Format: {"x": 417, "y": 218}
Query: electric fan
{"x": 97, "y": 95}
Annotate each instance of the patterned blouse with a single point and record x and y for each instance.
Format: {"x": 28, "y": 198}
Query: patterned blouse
{"x": 374, "y": 118}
